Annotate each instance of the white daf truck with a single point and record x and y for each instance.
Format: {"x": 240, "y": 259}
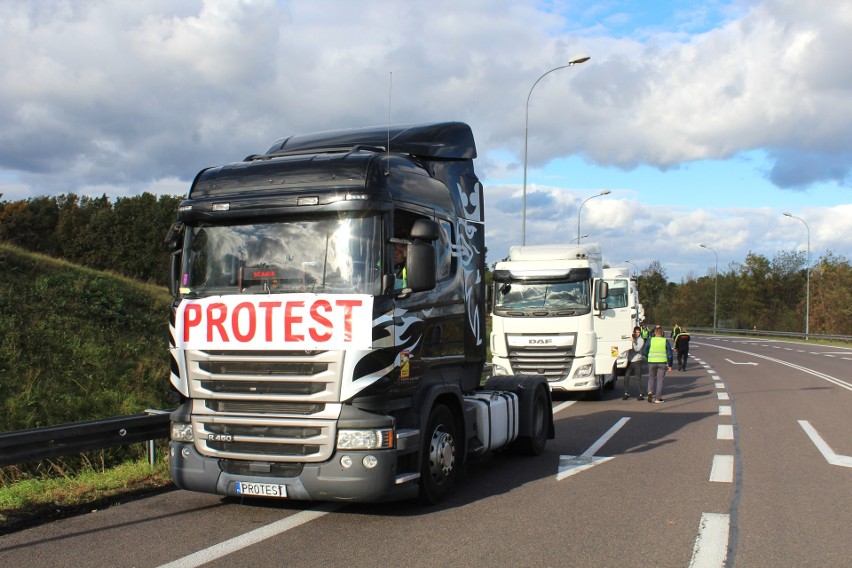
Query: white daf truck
{"x": 558, "y": 313}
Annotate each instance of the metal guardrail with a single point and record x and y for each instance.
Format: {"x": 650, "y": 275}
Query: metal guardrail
{"x": 53, "y": 441}
{"x": 756, "y": 332}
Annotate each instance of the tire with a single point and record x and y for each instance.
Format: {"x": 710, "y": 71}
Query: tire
{"x": 533, "y": 445}
{"x": 438, "y": 465}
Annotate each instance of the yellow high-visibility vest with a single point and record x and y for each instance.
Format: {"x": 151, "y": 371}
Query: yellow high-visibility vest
{"x": 657, "y": 351}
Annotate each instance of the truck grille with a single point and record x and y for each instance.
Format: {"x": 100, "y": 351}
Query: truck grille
{"x": 304, "y": 376}
{"x": 270, "y": 439}
{"x": 554, "y": 363}
{"x": 269, "y": 406}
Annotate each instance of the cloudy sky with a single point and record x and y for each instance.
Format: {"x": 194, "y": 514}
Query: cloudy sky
{"x": 705, "y": 119}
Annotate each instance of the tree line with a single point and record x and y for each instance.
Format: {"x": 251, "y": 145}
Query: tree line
{"x": 759, "y": 293}
{"x": 126, "y": 237}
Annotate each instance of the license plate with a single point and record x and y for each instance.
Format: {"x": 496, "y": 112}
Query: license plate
{"x": 261, "y": 489}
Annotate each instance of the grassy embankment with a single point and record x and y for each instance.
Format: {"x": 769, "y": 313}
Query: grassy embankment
{"x": 76, "y": 344}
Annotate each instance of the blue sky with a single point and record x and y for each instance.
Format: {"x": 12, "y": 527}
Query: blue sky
{"x": 705, "y": 120}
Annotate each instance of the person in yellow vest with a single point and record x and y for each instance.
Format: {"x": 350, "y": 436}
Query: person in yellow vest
{"x": 658, "y": 353}
{"x": 676, "y": 330}
{"x": 400, "y": 252}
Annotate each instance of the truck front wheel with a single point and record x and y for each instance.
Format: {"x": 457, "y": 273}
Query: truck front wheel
{"x": 438, "y": 465}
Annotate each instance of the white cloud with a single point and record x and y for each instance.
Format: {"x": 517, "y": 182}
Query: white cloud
{"x": 125, "y": 97}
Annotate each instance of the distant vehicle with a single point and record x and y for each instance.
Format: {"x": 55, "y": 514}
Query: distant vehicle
{"x": 557, "y": 313}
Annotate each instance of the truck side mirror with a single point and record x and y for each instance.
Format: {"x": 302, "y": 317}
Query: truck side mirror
{"x": 174, "y": 273}
{"x": 600, "y": 300}
{"x": 173, "y": 237}
{"x": 424, "y": 230}
{"x": 172, "y": 243}
{"x": 420, "y": 266}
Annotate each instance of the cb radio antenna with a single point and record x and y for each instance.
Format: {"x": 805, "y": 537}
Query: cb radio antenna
{"x": 390, "y": 104}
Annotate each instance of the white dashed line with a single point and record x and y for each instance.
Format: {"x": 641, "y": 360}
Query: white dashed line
{"x": 723, "y": 469}
{"x": 723, "y": 396}
{"x": 725, "y": 432}
{"x": 711, "y": 544}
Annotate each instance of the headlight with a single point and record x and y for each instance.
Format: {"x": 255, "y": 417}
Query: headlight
{"x": 583, "y": 371}
{"x": 497, "y": 370}
{"x": 182, "y": 432}
{"x": 365, "y": 439}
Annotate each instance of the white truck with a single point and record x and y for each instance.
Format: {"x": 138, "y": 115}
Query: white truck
{"x": 558, "y": 313}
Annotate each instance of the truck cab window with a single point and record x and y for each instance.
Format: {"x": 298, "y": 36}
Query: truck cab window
{"x": 326, "y": 255}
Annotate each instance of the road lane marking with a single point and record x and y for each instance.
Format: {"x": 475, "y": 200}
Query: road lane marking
{"x": 738, "y": 363}
{"x": 252, "y": 537}
{"x": 725, "y": 432}
{"x": 719, "y": 385}
{"x": 569, "y": 465}
{"x": 711, "y": 544}
{"x": 723, "y": 396}
{"x": 724, "y": 411}
{"x": 722, "y": 470}
{"x": 823, "y": 447}
{"x": 823, "y": 376}
{"x": 563, "y": 406}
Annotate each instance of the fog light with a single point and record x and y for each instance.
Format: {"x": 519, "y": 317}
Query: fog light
{"x": 370, "y": 461}
{"x": 185, "y": 453}
{"x": 346, "y": 462}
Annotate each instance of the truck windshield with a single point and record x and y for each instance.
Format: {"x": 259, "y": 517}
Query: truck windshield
{"x": 326, "y": 255}
{"x": 543, "y": 296}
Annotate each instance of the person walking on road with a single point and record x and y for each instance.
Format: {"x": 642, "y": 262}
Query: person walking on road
{"x": 681, "y": 346}
{"x": 675, "y": 330}
{"x": 658, "y": 352}
{"x": 634, "y": 364}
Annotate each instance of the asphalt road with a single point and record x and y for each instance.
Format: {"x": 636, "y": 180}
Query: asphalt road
{"x": 747, "y": 463}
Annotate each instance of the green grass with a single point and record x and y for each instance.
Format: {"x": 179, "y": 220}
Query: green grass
{"x": 77, "y": 344}
{"x": 39, "y": 499}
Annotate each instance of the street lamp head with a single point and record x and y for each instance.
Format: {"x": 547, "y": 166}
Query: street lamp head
{"x": 786, "y": 214}
{"x": 702, "y": 245}
{"x": 579, "y": 59}
{"x": 605, "y": 192}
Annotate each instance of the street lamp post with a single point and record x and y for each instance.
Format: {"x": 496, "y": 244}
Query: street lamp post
{"x": 635, "y": 268}
{"x": 715, "y": 283}
{"x": 604, "y": 192}
{"x": 571, "y": 63}
{"x": 808, "y": 274}
{"x": 578, "y": 240}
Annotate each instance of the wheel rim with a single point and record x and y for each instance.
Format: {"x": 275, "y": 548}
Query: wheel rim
{"x": 442, "y": 455}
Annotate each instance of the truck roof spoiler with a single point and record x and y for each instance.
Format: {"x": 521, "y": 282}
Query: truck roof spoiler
{"x": 444, "y": 140}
